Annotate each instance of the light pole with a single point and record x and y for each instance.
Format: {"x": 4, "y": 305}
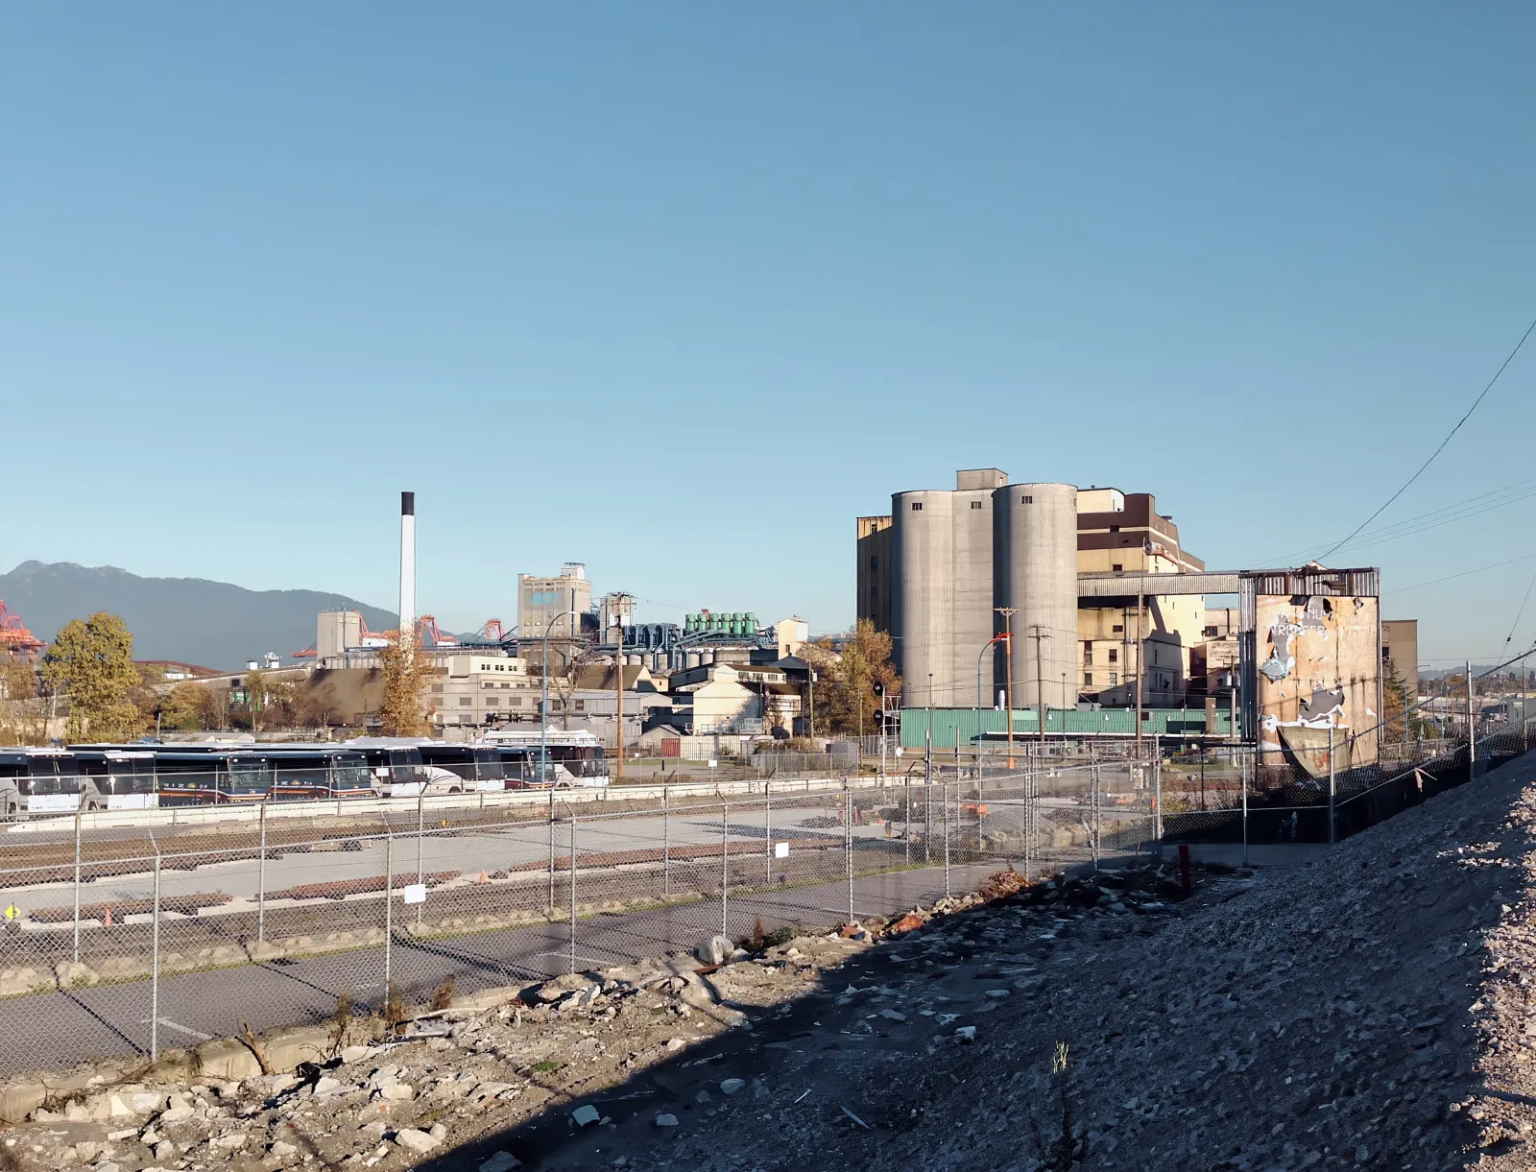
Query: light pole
{"x": 992, "y": 642}
{"x": 544, "y": 700}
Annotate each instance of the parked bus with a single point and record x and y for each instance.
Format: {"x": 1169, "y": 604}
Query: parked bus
{"x": 574, "y": 758}
{"x": 117, "y": 779}
{"x": 319, "y": 773}
{"x": 194, "y": 778}
{"x": 478, "y": 766}
{"x": 400, "y": 770}
{"x": 38, "y": 781}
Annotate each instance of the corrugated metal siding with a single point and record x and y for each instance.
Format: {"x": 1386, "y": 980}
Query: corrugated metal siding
{"x": 952, "y": 726}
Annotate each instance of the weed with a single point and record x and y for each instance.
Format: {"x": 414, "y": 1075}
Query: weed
{"x": 254, "y": 1044}
{"x": 546, "y": 1067}
{"x": 442, "y": 998}
{"x": 1069, "y": 1148}
{"x": 341, "y": 1026}
{"x": 394, "y": 1012}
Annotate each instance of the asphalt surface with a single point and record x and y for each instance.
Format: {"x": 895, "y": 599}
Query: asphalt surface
{"x": 467, "y": 851}
{"x": 54, "y": 1031}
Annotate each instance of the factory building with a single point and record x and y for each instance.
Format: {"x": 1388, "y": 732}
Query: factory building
{"x": 1400, "y": 652}
{"x": 949, "y": 571}
{"x": 561, "y": 606}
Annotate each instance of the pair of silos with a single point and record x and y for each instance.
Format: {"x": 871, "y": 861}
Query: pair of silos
{"x": 958, "y": 556}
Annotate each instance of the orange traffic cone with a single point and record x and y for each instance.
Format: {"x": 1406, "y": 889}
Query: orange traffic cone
{"x": 109, "y": 916}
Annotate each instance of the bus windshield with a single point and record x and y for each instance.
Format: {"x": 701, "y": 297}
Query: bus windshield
{"x": 248, "y": 775}
{"x": 350, "y": 773}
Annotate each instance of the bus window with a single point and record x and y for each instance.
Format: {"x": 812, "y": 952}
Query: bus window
{"x": 488, "y": 765}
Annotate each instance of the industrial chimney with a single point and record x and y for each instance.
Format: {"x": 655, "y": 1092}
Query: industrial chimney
{"x": 407, "y": 567}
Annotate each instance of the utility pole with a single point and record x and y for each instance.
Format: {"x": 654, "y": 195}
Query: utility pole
{"x": 1141, "y": 665}
{"x": 1471, "y": 730}
{"x": 1007, "y": 613}
{"x": 1039, "y": 634}
{"x": 618, "y": 686}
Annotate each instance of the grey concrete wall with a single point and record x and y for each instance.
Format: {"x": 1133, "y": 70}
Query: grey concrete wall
{"x": 1037, "y": 575}
{"x": 922, "y": 609}
{"x": 973, "y": 614}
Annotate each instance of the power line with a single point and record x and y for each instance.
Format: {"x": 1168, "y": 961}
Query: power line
{"x": 1463, "y": 574}
{"x": 1449, "y": 436}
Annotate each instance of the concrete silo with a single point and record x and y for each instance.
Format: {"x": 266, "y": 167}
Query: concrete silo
{"x": 923, "y": 595}
{"x": 1036, "y": 574}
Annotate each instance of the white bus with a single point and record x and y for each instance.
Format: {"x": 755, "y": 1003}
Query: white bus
{"x": 400, "y": 770}
{"x": 574, "y": 758}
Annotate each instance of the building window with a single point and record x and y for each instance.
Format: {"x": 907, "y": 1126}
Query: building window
{"x": 1117, "y": 629}
{"x": 917, "y": 506}
{"x": 1114, "y": 678}
{"x": 1114, "y": 655}
{"x": 1210, "y": 632}
{"x": 1028, "y": 500}
{"x": 1117, "y": 567}
{"x": 517, "y": 701}
{"x": 466, "y": 701}
{"x": 490, "y": 705}
{"x": 975, "y": 504}
{"x": 437, "y": 689}
{"x": 874, "y": 563}
{"x": 1087, "y": 679}
{"x": 581, "y": 705}
{"x": 1114, "y": 529}
{"x": 1087, "y": 652}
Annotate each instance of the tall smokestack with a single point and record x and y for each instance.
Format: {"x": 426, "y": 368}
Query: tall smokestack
{"x": 407, "y": 565}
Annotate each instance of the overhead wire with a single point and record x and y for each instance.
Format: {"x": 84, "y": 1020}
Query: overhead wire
{"x": 1449, "y": 436}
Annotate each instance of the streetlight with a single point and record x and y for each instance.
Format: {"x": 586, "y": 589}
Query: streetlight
{"x": 544, "y": 701}
{"x": 979, "y": 657}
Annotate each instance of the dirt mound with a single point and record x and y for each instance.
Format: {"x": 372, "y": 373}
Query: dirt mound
{"x": 1330, "y": 1016}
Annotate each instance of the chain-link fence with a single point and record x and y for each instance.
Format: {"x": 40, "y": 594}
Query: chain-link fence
{"x": 182, "y": 925}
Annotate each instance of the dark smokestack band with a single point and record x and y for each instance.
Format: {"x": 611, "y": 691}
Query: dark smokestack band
{"x": 407, "y": 504}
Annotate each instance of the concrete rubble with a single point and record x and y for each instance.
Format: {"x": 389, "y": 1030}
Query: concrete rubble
{"x": 1372, "y": 1009}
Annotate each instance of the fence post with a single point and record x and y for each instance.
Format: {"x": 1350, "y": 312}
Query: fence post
{"x": 261, "y": 880}
{"x": 421, "y": 828}
{"x": 725, "y": 862}
{"x": 928, "y": 797}
{"x": 1157, "y": 800}
{"x": 154, "y": 971}
{"x": 551, "y": 853}
{"x": 1242, "y": 773}
{"x": 1094, "y": 782}
{"x": 389, "y": 912}
{"x": 666, "y": 842}
{"x": 77, "y": 886}
{"x": 768, "y": 828}
{"x": 848, "y": 844}
{"x": 574, "y": 820}
{"x": 1332, "y": 776}
{"x": 906, "y": 834}
{"x": 946, "y": 834}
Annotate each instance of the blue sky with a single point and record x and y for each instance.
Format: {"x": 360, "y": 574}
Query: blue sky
{"x": 679, "y": 290}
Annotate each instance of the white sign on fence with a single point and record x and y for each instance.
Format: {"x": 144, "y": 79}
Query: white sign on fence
{"x": 781, "y": 850}
{"x": 712, "y": 762}
{"x": 415, "y": 892}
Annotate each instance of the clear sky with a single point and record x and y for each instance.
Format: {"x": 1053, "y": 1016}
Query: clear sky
{"x": 678, "y": 290}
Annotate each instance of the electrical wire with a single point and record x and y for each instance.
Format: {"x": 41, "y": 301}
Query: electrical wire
{"x": 1449, "y": 436}
{"x": 1498, "y": 498}
{"x": 1518, "y": 613}
{"x": 1463, "y": 574}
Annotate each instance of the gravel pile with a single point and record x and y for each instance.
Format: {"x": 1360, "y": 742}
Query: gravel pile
{"x": 1369, "y": 1010}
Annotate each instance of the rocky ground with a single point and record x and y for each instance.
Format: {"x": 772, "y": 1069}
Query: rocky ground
{"x": 1369, "y": 1010}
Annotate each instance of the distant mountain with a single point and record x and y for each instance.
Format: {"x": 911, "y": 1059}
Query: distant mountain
{"x": 189, "y": 620}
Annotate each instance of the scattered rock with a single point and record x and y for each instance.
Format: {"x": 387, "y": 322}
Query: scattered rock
{"x": 412, "y": 1140}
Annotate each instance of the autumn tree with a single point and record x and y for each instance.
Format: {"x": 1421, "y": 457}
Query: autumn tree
{"x": 91, "y": 662}
{"x": 844, "y": 692}
{"x": 182, "y": 708}
{"x": 23, "y": 720}
{"x": 407, "y": 670}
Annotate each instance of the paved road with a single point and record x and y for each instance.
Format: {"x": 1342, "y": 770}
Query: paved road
{"x": 466, "y": 851}
{"x": 53, "y": 1031}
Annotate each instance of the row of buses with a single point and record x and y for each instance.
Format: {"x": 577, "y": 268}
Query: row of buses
{"x": 148, "y": 776}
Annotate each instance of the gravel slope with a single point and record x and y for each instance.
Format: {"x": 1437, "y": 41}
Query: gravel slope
{"x": 1333, "y": 1016}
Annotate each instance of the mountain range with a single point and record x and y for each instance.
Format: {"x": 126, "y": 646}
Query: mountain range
{"x": 187, "y": 620}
